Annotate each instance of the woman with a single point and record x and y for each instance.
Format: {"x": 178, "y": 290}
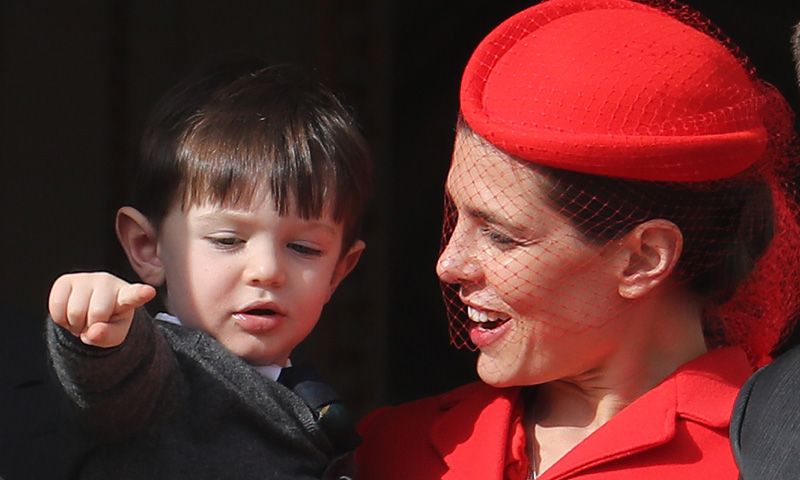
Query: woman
{"x": 619, "y": 245}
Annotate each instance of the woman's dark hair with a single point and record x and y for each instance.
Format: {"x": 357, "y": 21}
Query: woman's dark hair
{"x": 726, "y": 225}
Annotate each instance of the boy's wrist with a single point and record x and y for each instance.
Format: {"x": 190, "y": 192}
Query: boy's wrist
{"x": 72, "y": 342}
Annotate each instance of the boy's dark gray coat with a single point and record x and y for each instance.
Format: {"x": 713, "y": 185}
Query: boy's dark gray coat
{"x": 173, "y": 403}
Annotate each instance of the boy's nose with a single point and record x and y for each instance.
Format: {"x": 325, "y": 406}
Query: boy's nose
{"x": 265, "y": 269}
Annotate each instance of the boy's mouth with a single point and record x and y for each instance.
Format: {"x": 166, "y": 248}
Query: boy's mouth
{"x": 262, "y": 308}
{"x": 260, "y": 312}
{"x": 259, "y": 318}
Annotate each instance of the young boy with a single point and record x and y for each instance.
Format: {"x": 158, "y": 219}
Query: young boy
{"x": 245, "y": 216}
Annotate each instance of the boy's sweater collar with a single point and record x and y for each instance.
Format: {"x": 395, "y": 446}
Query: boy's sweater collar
{"x": 271, "y": 371}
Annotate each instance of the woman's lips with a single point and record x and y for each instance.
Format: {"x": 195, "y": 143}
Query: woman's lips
{"x": 486, "y": 328}
{"x": 483, "y": 337}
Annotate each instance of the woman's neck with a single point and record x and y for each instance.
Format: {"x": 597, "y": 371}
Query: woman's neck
{"x": 654, "y": 340}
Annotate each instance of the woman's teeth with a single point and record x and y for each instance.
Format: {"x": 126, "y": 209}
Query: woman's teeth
{"x": 487, "y": 321}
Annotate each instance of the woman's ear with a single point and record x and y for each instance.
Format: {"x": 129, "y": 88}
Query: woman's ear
{"x": 652, "y": 250}
{"x": 139, "y": 239}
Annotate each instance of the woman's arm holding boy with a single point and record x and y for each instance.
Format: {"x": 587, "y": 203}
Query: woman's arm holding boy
{"x": 108, "y": 356}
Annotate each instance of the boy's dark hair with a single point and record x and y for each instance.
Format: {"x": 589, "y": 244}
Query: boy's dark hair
{"x": 226, "y": 132}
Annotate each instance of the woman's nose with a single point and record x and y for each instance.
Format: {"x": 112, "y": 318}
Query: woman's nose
{"x": 456, "y": 263}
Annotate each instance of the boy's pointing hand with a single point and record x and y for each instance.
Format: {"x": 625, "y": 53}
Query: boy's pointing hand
{"x": 97, "y": 307}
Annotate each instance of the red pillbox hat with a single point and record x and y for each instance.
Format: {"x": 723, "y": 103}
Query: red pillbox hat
{"x": 614, "y": 88}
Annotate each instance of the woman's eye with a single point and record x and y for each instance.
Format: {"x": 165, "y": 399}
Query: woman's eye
{"x": 305, "y": 250}
{"x": 498, "y": 238}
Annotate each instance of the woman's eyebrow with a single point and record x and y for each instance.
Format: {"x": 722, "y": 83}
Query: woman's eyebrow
{"x": 494, "y": 219}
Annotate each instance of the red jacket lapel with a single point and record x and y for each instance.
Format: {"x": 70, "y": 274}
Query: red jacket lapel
{"x": 702, "y": 390}
{"x": 471, "y": 433}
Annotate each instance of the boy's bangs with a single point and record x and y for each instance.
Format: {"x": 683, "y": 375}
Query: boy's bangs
{"x": 236, "y": 168}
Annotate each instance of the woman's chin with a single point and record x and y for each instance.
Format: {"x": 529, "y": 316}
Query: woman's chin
{"x": 495, "y": 372}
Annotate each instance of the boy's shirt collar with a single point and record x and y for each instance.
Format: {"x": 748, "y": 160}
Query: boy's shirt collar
{"x": 166, "y": 317}
{"x": 271, "y": 371}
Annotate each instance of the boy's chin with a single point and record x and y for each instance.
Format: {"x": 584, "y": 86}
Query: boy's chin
{"x": 257, "y": 355}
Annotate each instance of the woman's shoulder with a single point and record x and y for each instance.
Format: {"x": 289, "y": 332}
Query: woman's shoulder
{"x": 410, "y": 440}
{"x": 416, "y": 419}
{"x": 412, "y": 414}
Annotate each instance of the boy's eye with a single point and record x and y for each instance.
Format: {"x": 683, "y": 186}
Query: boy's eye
{"x": 305, "y": 250}
{"x": 225, "y": 242}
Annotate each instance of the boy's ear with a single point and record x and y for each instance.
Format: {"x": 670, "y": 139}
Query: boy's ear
{"x": 650, "y": 253}
{"x": 140, "y": 242}
{"x": 346, "y": 264}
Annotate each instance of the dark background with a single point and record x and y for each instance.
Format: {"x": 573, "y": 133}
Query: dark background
{"x": 77, "y": 79}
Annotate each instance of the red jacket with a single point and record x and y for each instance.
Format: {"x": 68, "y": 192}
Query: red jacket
{"x": 677, "y": 430}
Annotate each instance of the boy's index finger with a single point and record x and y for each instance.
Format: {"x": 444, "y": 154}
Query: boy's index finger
{"x": 135, "y": 295}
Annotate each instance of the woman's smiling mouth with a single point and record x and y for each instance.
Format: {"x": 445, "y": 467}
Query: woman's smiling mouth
{"x": 486, "y": 327}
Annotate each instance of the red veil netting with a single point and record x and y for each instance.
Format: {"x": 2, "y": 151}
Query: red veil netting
{"x": 621, "y": 112}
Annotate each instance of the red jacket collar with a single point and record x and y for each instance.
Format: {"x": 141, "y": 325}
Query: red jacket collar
{"x": 703, "y": 390}
{"x": 484, "y": 411}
